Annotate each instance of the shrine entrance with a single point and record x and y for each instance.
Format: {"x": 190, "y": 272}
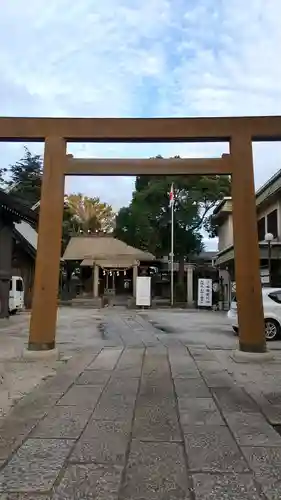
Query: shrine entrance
{"x": 56, "y": 132}
{"x": 110, "y": 265}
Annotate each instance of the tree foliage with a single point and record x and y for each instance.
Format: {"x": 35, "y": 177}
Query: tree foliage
{"x": 85, "y": 215}
{"x": 25, "y": 178}
{"x": 88, "y": 215}
{"x": 146, "y": 222}
{"x": 3, "y": 172}
{"x": 82, "y": 214}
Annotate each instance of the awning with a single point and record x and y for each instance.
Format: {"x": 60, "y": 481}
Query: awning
{"x": 117, "y": 264}
{"x": 87, "y": 263}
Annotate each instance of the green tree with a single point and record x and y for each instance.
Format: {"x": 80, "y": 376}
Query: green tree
{"x": 25, "y": 177}
{"x": 146, "y": 222}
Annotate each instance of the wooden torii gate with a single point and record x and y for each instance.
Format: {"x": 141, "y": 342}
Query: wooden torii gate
{"x": 239, "y": 132}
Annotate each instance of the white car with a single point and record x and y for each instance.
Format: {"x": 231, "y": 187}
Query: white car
{"x": 272, "y": 313}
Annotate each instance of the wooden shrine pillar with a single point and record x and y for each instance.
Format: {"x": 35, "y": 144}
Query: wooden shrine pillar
{"x": 6, "y": 251}
{"x": 246, "y": 247}
{"x": 45, "y": 296}
{"x": 96, "y": 270}
{"x": 135, "y": 275}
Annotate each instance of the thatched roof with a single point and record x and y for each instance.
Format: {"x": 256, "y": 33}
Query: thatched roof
{"x": 102, "y": 250}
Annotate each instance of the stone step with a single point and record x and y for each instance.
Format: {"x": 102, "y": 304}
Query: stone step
{"x": 92, "y": 303}
{"x": 87, "y": 303}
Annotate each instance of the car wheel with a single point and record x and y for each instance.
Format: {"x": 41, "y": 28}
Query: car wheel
{"x": 272, "y": 329}
{"x": 235, "y": 329}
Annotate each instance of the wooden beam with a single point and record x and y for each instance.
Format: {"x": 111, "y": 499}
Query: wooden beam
{"x": 140, "y": 129}
{"x": 155, "y": 166}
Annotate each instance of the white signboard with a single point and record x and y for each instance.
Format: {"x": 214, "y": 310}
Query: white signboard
{"x": 205, "y": 292}
{"x": 264, "y": 273}
{"x": 143, "y": 291}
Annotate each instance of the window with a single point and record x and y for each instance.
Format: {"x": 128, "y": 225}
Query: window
{"x": 276, "y": 296}
{"x": 261, "y": 228}
{"x": 272, "y": 223}
{"x": 11, "y": 285}
{"x": 19, "y": 286}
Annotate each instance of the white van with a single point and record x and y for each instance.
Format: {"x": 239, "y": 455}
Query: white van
{"x": 16, "y": 296}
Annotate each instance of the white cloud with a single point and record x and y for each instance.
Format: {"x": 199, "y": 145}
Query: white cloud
{"x": 210, "y": 245}
{"x": 137, "y": 58}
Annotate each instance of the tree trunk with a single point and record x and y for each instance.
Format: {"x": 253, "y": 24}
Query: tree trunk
{"x": 181, "y": 270}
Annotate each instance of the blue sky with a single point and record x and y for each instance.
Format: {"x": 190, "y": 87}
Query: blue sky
{"x": 140, "y": 58}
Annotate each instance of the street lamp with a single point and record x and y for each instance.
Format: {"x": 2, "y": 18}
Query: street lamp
{"x": 269, "y": 238}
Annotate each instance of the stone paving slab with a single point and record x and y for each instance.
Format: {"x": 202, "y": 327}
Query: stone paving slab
{"x": 91, "y": 481}
{"x": 103, "y": 442}
{"x": 213, "y": 449}
{"x": 265, "y": 462}
{"x": 252, "y": 430}
{"x": 93, "y": 377}
{"x": 179, "y": 367}
{"x": 234, "y": 400}
{"x": 130, "y": 358}
{"x": 127, "y": 373}
{"x": 106, "y": 360}
{"x": 156, "y": 471}
{"x": 122, "y": 386}
{"x": 8, "y": 444}
{"x": 80, "y": 396}
{"x": 155, "y": 365}
{"x": 156, "y": 371}
{"x": 24, "y": 496}
{"x": 190, "y": 372}
{"x": 201, "y": 354}
{"x": 152, "y": 384}
{"x": 63, "y": 422}
{"x": 13, "y": 431}
{"x": 272, "y": 413}
{"x": 194, "y": 388}
{"x": 225, "y": 487}
{"x": 156, "y": 423}
{"x": 209, "y": 367}
{"x": 115, "y": 407}
{"x": 199, "y": 411}
{"x": 35, "y": 466}
{"x": 217, "y": 380}
{"x": 274, "y": 397}
{"x": 153, "y": 397}
{"x": 35, "y": 404}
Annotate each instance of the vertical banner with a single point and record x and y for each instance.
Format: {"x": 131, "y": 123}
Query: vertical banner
{"x": 143, "y": 291}
{"x": 205, "y": 292}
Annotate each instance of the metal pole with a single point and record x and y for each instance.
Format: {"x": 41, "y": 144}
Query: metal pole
{"x": 269, "y": 262}
{"x": 172, "y": 253}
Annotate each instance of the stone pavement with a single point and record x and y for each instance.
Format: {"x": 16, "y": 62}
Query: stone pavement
{"x": 137, "y": 414}
{"x": 140, "y": 423}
